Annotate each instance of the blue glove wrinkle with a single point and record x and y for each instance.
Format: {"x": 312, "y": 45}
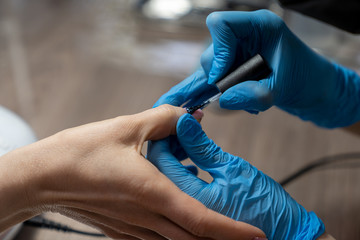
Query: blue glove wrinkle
{"x": 211, "y": 198}
{"x": 188, "y": 126}
{"x": 159, "y": 154}
{"x": 227, "y": 171}
{"x": 348, "y": 88}
{"x": 239, "y": 190}
{"x": 313, "y": 228}
{"x": 257, "y": 192}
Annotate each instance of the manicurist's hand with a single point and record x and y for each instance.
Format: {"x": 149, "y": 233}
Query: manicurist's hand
{"x": 302, "y": 82}
{"x": 96, "y": 174}
{"x": 238, "y": 189}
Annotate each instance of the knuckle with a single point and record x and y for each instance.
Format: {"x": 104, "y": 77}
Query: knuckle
{"x": 271, "y": 17}
{"x": 267, "y": 13}
{"x": 215, "y": 19}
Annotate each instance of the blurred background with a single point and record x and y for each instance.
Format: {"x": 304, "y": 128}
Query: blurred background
{"x": 64, "y": 63}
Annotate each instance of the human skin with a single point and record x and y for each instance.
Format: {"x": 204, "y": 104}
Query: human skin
{"x": 97, "y": 175}
{"x": 326, "y": 236}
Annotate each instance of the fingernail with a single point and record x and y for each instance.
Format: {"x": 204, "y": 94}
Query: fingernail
{"x": 259, "y": 238}
{"x": 198, "y": 115}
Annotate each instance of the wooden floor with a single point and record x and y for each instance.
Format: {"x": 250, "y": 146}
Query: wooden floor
{"x": 66, "y": 63}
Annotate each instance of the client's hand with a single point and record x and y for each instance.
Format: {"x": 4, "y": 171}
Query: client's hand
{"x": 96, "y": 174}
{"x": 238, "y": 190}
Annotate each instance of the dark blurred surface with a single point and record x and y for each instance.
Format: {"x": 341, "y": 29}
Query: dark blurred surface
{"x": 64, "y": 63}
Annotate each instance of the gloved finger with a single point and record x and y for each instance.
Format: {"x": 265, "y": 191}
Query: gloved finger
{"x": 159, "y": 154}
{"x": 224, "y": 42}
{"x": 210, "y": 91}
{"x": 237, "y": 36}
{"x": 252, "y": 96}
{"x": 206, "y": 59}
{"x": 201, "y": 150}
{"x": 190, "y": 88}
{"x": 176, "y": 149}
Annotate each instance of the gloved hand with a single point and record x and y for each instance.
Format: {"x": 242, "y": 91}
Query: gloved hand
{"x": 302, "y": 83}
{"x": 238, "y": 190}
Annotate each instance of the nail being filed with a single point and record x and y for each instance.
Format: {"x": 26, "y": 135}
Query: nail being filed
{"x": 255, "y": 68}
{"x": 192, "y": 109}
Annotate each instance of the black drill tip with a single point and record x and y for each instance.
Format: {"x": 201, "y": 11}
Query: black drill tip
{"x": 192, "y": 109}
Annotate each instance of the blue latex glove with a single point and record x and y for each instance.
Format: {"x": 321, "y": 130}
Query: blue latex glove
{"x": 238, "y": 190}
{"x": 302, "y": 83}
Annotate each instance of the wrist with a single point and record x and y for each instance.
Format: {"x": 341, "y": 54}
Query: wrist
{"x": 347, "y": 109}
{"x": 17, "y": 191}
{"x": 28, "y": 179}
{"x": 340, "y": 102}
{"x": 312, "y": 226}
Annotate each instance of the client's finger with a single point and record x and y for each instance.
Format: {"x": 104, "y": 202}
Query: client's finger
{"x": 160, "y": 122}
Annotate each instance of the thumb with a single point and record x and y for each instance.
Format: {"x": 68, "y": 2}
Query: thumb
{"x": 159, "y": 154}
{"x": 249, "y": 95}
{"x": 156, "y": 123}
{"x": 202, "y": 150}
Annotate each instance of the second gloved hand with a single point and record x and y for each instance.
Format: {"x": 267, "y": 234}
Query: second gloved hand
{"x": 303, "y": 83}
{"x": 238, "y": 190}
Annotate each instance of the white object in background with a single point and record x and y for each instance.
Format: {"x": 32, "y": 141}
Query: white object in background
{"x": 14, "y": 133}
{"x": 165, "y": 9}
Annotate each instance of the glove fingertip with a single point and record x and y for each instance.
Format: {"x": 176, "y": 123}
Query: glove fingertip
{"x": 187, "y": 124}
